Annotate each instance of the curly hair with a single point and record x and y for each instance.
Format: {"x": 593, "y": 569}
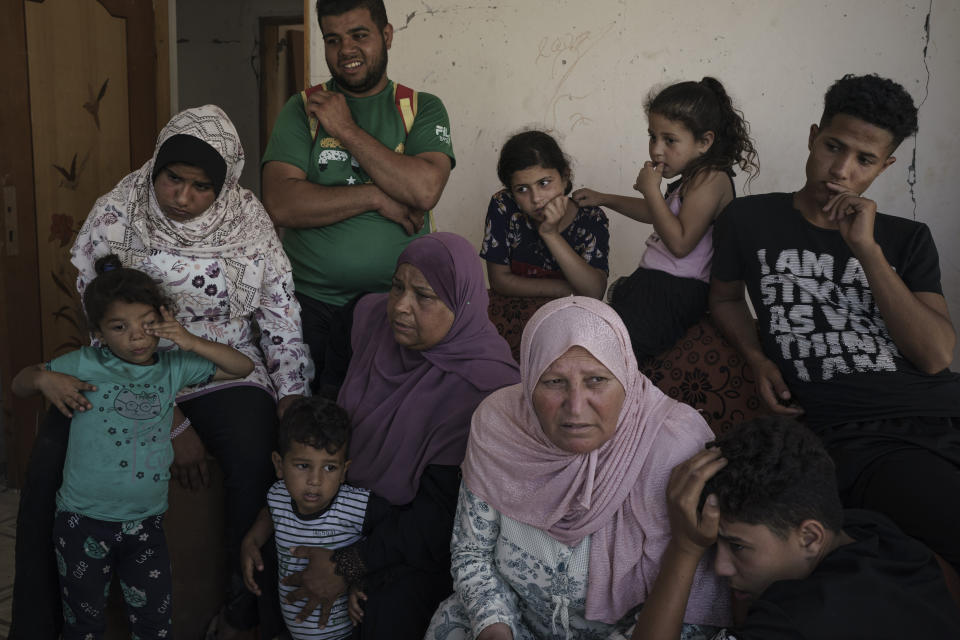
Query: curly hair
{"x": 314, "y": 421}
{"x": 378, "y": 13}
{"x": 878, "y": 101}
{"x": 529, "y": 149}
{"x": 115, "y": 282}
{"x": 778, "y": 474}
{"x": 705, "y": 106}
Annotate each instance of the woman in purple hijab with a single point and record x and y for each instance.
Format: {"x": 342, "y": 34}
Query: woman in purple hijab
{"x": 424, "y": 356}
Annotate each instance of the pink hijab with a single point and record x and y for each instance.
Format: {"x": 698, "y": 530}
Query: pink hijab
{"x": 616, "y": 493}
{"x": 410, "y": 408}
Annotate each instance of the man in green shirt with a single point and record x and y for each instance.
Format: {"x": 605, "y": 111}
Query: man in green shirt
{"x": 353, "y": 195}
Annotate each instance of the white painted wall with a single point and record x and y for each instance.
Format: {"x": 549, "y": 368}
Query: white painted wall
{"x": 583, "y": 70}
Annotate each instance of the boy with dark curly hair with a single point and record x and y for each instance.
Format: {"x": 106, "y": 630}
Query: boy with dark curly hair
{"x": 854, "y": 332}
{"x": 766, "y": 495}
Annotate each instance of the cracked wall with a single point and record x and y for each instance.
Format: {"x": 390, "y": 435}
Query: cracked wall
{"x": 584, "y": 69}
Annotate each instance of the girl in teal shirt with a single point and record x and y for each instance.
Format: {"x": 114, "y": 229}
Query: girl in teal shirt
{"x": 120, "y": 397}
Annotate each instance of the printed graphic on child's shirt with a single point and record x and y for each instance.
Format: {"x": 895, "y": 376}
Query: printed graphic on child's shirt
{"x": 133, "y": 416}
{"x": 823, "y": 316}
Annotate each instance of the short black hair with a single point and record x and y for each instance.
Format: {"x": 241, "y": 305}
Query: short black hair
{"x": 339, "y": 7}
{"x": 530, "y": 149}
{"x": 115, "y": 282}
{"x": 875, "y": 100}
{"x": 314, "y": 421}
{"x": 778, "y": 474}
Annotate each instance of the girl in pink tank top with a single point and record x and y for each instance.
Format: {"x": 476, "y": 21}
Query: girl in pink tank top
{"x": 698, "y": 136}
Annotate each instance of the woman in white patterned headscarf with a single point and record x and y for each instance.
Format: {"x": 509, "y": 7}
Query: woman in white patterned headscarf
{"x": 183, "y": 219}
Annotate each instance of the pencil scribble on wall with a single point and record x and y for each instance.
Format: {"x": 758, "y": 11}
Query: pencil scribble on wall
{"x": 562, "y": 53}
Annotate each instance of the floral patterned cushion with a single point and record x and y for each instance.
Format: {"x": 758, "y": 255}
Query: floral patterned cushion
{"x": 702, "y": 369}
{"x": 708, "y": 373}
{"x": 509, "y": 314}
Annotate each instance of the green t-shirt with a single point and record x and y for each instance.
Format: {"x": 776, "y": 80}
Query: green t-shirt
{"x": 119, "y": 452}
{"x": 359, "y": 254}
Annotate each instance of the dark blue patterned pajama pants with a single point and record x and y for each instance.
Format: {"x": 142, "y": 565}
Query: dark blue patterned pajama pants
{"x": 89, "y": 551}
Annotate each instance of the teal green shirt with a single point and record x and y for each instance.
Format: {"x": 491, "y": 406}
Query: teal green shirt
{"x": 119, "y": 452}
{"x": 359, "y": 254}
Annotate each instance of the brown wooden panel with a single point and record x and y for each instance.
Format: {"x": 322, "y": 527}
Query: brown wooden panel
{"x": 72, "y": 56}
{"x": 19, "y": 294}
{"x": 76, "y": 52}
{"x": 141, "y": 75}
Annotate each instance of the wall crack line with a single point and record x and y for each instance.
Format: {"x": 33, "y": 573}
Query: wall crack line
{"x": 912, "y": 169}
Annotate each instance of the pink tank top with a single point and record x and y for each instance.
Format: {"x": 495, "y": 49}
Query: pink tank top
{"x": 695, "y": 264}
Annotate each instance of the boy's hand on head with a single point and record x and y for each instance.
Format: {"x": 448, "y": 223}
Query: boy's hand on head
{"x": 587, "y": 198}
{"x": 854, "y": 215}
{"x": 693, "y": 530}
{"x": 172, "y": 330}
{"x": 553, "y": 213}
{"x": 354, "y": 606}
{"x": 65, "y": 392}
{"x": 649, "y": 178}
{"x": 250, "y": 559}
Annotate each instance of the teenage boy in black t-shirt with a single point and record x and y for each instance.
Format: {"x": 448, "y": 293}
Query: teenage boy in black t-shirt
{"x": 854, "y": 330}
{"x": 806, "y": 568}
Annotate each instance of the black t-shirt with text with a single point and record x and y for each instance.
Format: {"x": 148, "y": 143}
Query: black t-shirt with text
{"x": 817, "y": 317}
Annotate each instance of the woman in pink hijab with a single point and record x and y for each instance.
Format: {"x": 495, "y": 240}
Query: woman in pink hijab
{"x": 562, "y": 514}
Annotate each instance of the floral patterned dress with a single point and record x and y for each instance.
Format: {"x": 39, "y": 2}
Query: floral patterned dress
{"x": 225, "y": 270}
{"x": 508, "y": 572}
{"x": 511, "y": 239}
{"x": 270, "y": 337}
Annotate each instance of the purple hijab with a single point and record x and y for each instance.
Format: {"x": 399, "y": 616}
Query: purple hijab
{"x": 412, "y": 408}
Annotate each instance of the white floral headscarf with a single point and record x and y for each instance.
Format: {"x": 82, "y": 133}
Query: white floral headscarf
{"x": 235, "y": 229}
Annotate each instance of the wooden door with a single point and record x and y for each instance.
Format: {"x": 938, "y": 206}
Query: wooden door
{"x": 90, "y": 100}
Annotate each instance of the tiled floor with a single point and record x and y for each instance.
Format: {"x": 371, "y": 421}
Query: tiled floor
{"x": 8, "y": 531}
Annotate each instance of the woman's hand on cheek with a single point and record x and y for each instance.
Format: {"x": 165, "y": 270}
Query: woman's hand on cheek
{"x": 172, "y": 330}
{"x": 318, "y": 584}
{"x": 553, "y": 213}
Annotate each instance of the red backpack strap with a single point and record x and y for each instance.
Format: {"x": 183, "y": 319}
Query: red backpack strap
{"x": 406, "y": 100}
{"x": 312, "y": 123}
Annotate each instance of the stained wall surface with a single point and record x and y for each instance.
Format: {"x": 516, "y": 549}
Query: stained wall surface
{"x": 582, "y": 70}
